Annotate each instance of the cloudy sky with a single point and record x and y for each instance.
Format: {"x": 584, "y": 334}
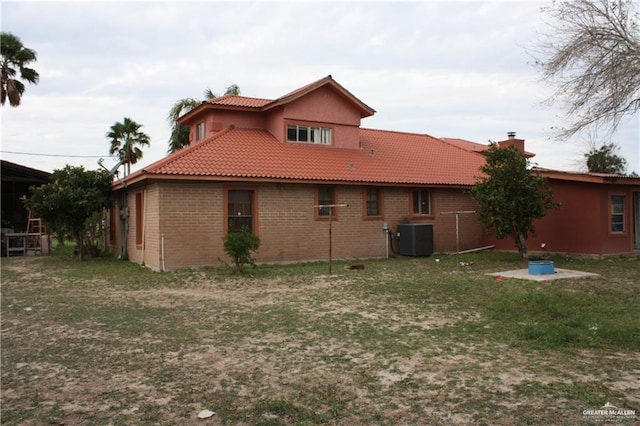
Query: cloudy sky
{"x": 449, "y": 69}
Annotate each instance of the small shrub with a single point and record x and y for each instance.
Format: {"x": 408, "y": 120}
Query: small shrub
{"x": 240, "y": 246}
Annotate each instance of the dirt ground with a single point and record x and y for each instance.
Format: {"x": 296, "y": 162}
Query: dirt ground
{"x": 280, "y": 350}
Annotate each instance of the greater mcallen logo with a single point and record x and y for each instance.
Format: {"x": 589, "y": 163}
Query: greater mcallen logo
{"x": 609, "y": 412}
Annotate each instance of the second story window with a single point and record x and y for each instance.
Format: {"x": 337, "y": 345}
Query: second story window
{"x": 309, "y": 134}
{"x": 200, "y": 131}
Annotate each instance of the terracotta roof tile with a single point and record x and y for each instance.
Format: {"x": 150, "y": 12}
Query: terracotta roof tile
{"x": 465, "y": 144}
{"x": 384, "y": 158}
{"x": 239, "y": 101}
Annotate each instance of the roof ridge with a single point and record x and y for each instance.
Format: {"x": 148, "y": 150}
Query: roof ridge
{"x": 231, "y": 95}
{"x": 399, "y": 132}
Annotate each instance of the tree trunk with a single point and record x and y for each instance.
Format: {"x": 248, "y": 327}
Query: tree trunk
{"x": 81, "y": 249}
{"x": 80, "y": 244}
{"x": 521, "y": 240}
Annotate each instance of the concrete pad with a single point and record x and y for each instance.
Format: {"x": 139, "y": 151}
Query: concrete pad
{"x": 523, "y": 274}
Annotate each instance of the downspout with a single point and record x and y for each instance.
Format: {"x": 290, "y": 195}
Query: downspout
{"x": 162, "y": 253}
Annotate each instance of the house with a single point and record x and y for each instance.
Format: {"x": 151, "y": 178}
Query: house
{"x": 268, "y": 164}
{"x": 599, "y": 214}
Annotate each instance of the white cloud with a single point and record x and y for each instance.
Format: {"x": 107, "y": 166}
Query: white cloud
{"x": 456, "y": 69}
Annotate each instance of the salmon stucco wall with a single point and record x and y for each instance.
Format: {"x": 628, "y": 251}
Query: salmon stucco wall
{"x": 581, "y": 225}
{"x": 326, "y": 108}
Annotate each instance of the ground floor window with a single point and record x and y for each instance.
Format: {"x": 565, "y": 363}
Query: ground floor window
{"x": 240, "y": 210}
{"x": 373, "y": 202}
{"x": 617, "y": 214}
{"x": 421, "y": 202}
{"x": 325, "y": 195}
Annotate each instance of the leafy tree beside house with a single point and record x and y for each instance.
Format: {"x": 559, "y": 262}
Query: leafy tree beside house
{"x": 511, "y": 196}
{"x": 605, "y": 160}
{"x": 126, "y": 140}
{"x": 69, "y": 201}
{"x": 179, "y": 133}
{"x": 13, "y": 68}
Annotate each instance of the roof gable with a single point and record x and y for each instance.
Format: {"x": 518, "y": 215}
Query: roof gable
{"x": 238, "y": 102}
{"x": 328, "y": 81}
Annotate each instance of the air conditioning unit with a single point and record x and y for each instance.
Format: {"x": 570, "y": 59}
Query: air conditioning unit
{"x": 415, "y": 239}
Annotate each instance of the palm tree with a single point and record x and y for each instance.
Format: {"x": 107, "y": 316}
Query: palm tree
{"x": 125, "y": 139}
{"x": 15, "y": 57}
{"x": 180, "y": 133}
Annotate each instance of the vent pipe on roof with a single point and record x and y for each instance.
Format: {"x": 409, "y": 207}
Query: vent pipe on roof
{"x": 511, "y": 135}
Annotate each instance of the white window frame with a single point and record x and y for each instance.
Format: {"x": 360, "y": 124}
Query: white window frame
{"x": 200, "y": 131}
{"x": 309, "y": 134}
{"x": 618, "y": 219}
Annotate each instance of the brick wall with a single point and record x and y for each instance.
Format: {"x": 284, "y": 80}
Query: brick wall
{"x": 191, "y": 217}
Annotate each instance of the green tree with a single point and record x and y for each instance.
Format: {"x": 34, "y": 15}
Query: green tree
{"x": 240, "y": 247}
{"x": 70, "y": 199}
{"x": 15, "y": 58}
{"x": 605, "y": 160}
{"x": 591, "y": 55}
{"x": 126, "y": 138}
{"x": 179, "y": 133}
{"x": 511, "y": 195}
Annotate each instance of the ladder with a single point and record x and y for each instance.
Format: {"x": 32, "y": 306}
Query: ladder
{"x": 34, "y": 234}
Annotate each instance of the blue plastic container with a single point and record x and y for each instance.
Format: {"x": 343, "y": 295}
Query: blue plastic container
{"x": 541, "y": 267}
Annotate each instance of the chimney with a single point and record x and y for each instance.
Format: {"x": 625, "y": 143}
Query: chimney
{"x": 512, "y": 141}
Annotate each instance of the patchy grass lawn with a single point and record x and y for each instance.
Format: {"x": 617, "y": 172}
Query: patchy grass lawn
{"x": 404, "y": 341}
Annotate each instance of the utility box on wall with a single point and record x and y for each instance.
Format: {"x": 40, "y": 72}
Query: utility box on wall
{"x": 415, "y": 239}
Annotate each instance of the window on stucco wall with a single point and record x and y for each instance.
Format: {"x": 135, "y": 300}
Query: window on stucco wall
{"x": 309, "y": 134}
{"x": 200, "y": 131}
{"x": 617, "y": 214}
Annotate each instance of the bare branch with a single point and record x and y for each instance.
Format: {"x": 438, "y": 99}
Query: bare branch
{"x": 592, "y": 58}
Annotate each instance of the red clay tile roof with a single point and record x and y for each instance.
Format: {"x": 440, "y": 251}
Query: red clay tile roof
{"x": 465, "y": 144}
{"x": 474, "y": 146}
{"x": 385, "y": 158}
{"x": 239, "y": 101}
{"x": 259, "y": 104}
